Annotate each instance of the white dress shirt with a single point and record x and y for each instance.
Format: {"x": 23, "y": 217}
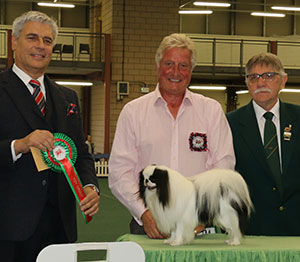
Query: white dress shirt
{"x": 147, "y": 133}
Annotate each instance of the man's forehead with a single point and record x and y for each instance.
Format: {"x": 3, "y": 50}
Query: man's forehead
{"x": 34, "y": 27}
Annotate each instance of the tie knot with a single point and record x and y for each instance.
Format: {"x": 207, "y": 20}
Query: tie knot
{"x": 34, "y": 83}
{"x": 268, "y": 115}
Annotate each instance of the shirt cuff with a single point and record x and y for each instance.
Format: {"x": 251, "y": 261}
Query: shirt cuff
{"x": 13, "y": 153}
{"x": 98, "y": 190}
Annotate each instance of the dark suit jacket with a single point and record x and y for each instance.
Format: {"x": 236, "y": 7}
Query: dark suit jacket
{"x": 274, "y": 214}
{"x": 24, "y": 190}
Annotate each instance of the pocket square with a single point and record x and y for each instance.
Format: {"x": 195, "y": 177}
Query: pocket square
{"x": 71, "y": 109}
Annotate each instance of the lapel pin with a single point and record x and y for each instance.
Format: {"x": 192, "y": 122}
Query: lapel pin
{"x": 287, "y": 133}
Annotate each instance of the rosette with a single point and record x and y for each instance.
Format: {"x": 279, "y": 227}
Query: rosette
{"x": 62, "y": 159}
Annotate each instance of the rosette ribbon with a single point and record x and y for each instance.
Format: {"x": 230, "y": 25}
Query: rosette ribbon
{"x": 62, "y": 159}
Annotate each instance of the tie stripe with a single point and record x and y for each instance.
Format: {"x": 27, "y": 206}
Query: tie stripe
{"x": 38, "y": 95}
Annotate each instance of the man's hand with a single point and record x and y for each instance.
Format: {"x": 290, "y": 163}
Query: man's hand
{"x": 150, "y": 226}
{"x": 89, "y": 205}
{"x": 198, "y": 229}
{"x": 41, "y": 139}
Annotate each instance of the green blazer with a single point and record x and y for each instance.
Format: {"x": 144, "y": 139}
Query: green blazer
{"x": 274, "y": 214}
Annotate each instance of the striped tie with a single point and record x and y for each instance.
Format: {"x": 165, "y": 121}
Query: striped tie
{"x": 271, "y": 149}
{"x": 38, "y": 95}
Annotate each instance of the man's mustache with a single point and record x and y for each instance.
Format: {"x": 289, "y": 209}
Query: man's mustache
{"x": 262, "y": 89}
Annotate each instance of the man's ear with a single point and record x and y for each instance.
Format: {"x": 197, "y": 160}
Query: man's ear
{"x": 283, "y": 81}
{"x": 13, "y": 43}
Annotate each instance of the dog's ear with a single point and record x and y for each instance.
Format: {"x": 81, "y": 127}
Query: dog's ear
{"x": 162, "y": 185}
{"x": 142, "y": 187}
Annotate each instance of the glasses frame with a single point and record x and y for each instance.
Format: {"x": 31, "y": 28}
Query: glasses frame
{"x": 263, "y": 76}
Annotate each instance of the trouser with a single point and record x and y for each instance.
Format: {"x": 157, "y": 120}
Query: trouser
{"x": 49, "y": 231}
{"x": 135, "y": 228}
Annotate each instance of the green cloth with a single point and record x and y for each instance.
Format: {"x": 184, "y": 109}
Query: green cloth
{"x": 212, "y": 248}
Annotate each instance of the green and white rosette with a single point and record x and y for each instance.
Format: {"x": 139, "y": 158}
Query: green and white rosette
{"x": 62, "y": 159}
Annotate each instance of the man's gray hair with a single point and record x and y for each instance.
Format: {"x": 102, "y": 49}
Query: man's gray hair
{"x": 176, "y": 40}
{"x": 33, "y": 16}
{"x": 267, "y": 59}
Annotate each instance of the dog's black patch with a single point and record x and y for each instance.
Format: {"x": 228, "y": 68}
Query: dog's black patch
{"x": 205, "y": 215}
{"x": 161, "y": 179}
{"x": 242, "y": 212}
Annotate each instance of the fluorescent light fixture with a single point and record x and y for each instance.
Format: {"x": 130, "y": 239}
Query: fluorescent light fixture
{"x": 56, "y": 4}
{"x": 267, "y": 14}
{"x": 286, "y": 8}
{"x": 212, "y": 4}
{"x": 195, "y": 12}
{"x": 290, "y": 90}
{"x": 73, "y": 83}
{"x": 207, "y": 87}
{"x": 242, "y": 92}
{"x": 285, "y": 90}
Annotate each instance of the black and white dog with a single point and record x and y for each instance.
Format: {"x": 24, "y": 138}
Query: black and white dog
{"x": 178, "y": 204}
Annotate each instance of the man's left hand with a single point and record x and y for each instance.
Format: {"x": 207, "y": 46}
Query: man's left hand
{"x": 89, "y": 205}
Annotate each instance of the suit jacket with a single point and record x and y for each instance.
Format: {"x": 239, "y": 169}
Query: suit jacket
{"x": 23, "y": 190}
{"x": 274, "y": 214}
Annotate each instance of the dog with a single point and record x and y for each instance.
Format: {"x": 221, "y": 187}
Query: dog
{"x": 178, "y": 204}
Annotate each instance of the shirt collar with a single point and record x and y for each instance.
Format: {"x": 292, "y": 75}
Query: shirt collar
{"x": 158, "y": 97}
{"x": 25, "y": 77}
{"x": 259, "y": 111}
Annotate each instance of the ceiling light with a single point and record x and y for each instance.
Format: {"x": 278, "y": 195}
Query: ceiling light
{"x": 267, "y": 14}
{"x": 55, "y": 4}
{"x": 73, "y": 83}
{"x": 290, "y": 90}
{"x": 212, "y": 4}
{"x": 195, "y": 12}
{"x": 286, "y": 8}
{"x": 240, "y": 92}
{"x": 207, "y": 87}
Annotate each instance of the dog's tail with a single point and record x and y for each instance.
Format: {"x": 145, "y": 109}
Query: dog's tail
{"x": 218, "y": 186}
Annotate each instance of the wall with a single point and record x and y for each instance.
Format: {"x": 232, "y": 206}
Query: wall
{"x": 136, "y": 28}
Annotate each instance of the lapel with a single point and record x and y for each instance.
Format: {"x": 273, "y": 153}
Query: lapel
{"x": 59, "y": 105}
{"x": 23, "y": 100}
{"x": 251, "y": 136}
{"x": 287, "y": 147}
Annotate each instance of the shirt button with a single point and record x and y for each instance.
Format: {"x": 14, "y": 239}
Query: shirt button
{"x": 274, "y": 188}
{"x": 44, "y": 182}
{"x": 281, "y": 208}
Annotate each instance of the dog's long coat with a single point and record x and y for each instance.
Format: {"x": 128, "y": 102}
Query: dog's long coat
{"x": 178, "y": 204}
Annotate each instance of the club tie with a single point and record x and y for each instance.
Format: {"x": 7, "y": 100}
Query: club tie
{"x": 38, "y": 95}
{"x": 271, "y": 149}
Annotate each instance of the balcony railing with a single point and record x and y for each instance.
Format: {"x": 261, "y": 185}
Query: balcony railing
{"x": 70, "y": 46}
{"x": 233, "y": 52}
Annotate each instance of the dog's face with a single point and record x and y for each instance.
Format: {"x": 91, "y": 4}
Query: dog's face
{"x": 156, "y": 180}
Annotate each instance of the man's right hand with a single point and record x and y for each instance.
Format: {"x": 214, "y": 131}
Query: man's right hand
{"x": 150, "y": 226}
{"x": 41, "y": 139}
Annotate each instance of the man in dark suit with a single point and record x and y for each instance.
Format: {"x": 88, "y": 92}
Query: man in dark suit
{"x": 38, "y": 208}
{"x": 273, "y": 179}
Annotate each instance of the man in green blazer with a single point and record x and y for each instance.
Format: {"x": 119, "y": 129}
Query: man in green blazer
{"x": 276, "y": 202}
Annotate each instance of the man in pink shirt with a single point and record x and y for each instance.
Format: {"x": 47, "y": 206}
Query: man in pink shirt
{"x": 170, "y": 126}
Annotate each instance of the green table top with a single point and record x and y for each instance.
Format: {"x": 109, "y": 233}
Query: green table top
{"x": 212, "y": 248}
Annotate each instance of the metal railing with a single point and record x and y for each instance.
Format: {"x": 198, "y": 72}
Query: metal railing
{"x": 236, "y": 52}
{"x": 71, "y": 46}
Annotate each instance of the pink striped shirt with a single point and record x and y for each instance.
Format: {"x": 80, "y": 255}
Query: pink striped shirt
{"x": 147, "y": 134}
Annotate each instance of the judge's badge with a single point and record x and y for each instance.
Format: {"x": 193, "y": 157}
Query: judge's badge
{"x": 287, "y": 133}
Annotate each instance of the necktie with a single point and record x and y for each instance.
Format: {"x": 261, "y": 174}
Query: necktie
{"x": 38, "y": 95}
{"x": 271, "y": 149}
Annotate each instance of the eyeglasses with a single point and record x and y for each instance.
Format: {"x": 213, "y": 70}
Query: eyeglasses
{"x": 267, "y": 76}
